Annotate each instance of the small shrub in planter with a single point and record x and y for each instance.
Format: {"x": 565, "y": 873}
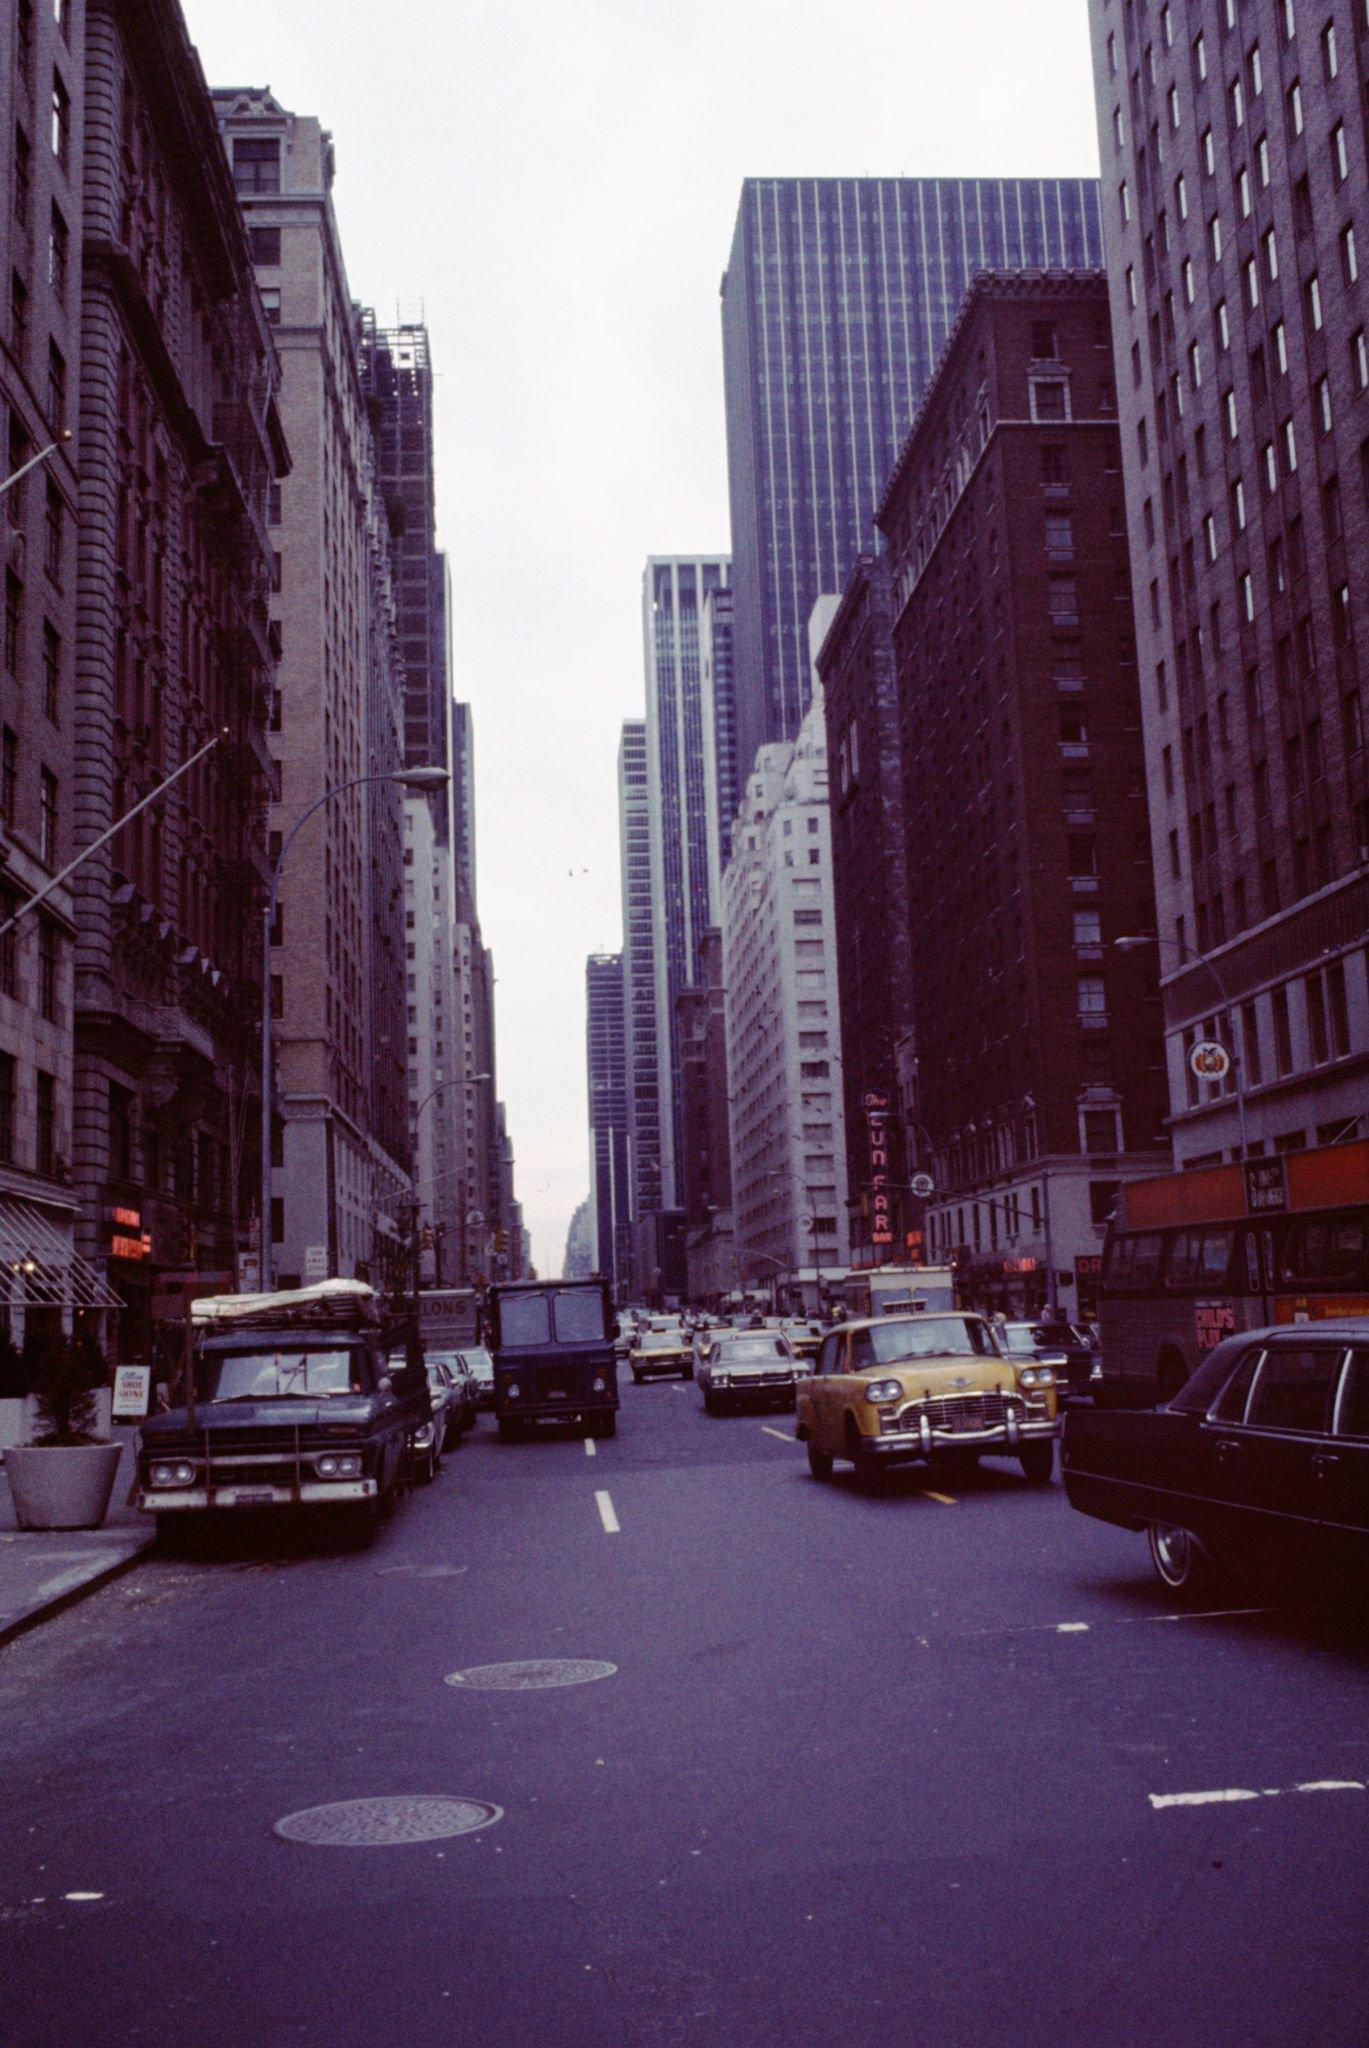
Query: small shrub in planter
{"x": 14, "y": 1382}
{"x": 64, "y": 1376}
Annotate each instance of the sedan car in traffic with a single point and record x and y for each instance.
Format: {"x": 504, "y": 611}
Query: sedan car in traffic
{"x": 748, "y": 1368}
{"x": 888, "y": 1389}
{"x": 666, "y": 1349}
{"x": 480, "y": 1366}
{"x": 1261, "y": 1460}
{"x": 461, "y": 1394}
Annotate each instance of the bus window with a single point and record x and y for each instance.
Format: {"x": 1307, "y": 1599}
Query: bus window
{"x": 1258, "y": 1259}
{"x": 1143, "y": 1268}
{"x": 1325, "y": 1250}
{"x": 1198, "y": 1259}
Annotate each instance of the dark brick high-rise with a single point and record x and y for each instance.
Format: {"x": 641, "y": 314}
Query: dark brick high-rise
{"x": 1023, "y": 790}
{"x": 870, "y": 884}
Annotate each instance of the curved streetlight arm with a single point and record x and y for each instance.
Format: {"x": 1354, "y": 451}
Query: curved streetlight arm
{"x": 34, "y": 460}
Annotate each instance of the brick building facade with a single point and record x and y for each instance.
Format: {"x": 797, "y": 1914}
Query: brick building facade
{"x": 1023, "y": 791}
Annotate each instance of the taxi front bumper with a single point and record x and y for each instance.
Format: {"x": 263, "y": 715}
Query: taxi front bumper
{"x": 924, "y": 1441}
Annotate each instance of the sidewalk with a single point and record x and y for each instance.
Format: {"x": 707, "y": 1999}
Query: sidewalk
{"x": 44, "y": 1570}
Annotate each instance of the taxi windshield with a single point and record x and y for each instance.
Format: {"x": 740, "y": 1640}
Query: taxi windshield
{"x": 759, "y": 1346}
{"x": 930, "y": 1337}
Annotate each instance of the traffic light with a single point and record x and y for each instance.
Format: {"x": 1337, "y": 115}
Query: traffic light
{"x": 501, "y": 1240}
{"x": 427, "y": 1238}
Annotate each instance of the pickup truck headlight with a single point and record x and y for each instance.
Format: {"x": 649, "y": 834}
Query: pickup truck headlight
{"x": 346, "y": 1466}
{"x": 879, "y": 1391}
{"x": 599, "y": 1385}
{"x": 179, "y": 1474}
{"x": 423, "y": 1436}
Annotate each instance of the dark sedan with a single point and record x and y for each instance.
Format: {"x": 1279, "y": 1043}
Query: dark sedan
{"x": 1261, "y": 1460}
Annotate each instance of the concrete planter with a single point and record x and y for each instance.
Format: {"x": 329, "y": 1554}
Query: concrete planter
{"x": 61, "y": 1486}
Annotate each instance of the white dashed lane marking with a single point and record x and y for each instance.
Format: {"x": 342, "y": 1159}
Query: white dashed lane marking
{"x": 591, "y": 1448}
{"x": 777, "y": 1433}
{"x": 606, "y": 1514}
{"x": 1233, "y": 1795}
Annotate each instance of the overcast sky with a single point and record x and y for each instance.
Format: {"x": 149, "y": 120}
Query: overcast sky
{"x": 554, "y": 187}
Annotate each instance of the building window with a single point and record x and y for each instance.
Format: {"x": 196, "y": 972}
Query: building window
{"x": 1293, "y": 105}
{"x": 120, "y": 1132}
{"x": 61, "y": 121}
{"x": 54, "y": 521}
{"x": 270, "y": 304}
{"x": 1349, "y": 254}
{"x": 1050, "y": 398}
{"x": 1312, "y": 301}
{"x": 59, "y": 254}
{"x": 7, "y": 1108}
{"x": 256, "y": 163}
{"x": 265, "y": 246}
{"x": 57, "y": 386}
{"x": 19, "y": 317}
{"x": 1283, "y": 1035}
{"x": 14, "y": 620}
{"x": 1340, "y": 158}
{"x": 9, "y": 779}
{"x": 47, "y": 818}
{"x": 1100, "y": 1130}
{"x": 1330, "y": 63}
{"x": 46, "y": 1135}
{"x": 49, "y": 954}
{"x": 1359, "y": 359}
{"x": 52, "y": 673}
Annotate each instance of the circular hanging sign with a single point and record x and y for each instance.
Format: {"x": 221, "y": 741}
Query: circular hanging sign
{"x": 922, "y": 1185}
{"x": 1210, "y": 1060}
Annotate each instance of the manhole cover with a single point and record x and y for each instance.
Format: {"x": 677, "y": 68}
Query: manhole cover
{"x": 382, "y": 1823}
{"x": 537, "y": 1676}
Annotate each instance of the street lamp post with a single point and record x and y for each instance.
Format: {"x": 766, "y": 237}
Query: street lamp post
{"x": 1133, "y": 942}
{"x": 422, "y": 779}
{"x": 17, "y": 475}
{"x": 457, "y": 1081}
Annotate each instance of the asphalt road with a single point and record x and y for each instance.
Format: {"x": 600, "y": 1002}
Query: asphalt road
{"x": 870, "y": 1771}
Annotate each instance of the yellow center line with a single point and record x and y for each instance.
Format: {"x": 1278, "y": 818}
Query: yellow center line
{"x": 776, "y": 1432}
{"x": 945, "y": 1498}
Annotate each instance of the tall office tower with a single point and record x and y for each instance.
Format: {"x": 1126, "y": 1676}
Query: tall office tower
{"x": 340, "y": 893}
{"x": 706, "y": 1159}
{"x": 639, "y": 972}
{"x": 606, "y": 1051}
{"x": 677, "y": 746}
{"x": 397, "y": 374}
{"x": 837, "y": 301}
{"x": 722, "y": 791}
{"x": 783, "y": 1018}
{"x": 1038, "y": 1049}
{"x": 178, "y": 440}
{"x": 37, "y": 402}
{"x": 1236, "y": 205}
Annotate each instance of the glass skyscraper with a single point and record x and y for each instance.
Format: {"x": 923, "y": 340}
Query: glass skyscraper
{"x": 838, "y": 299}
{"x": 674, "y": 590}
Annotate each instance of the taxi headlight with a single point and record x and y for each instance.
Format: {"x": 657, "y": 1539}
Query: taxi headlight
{"x": 179, "y": 1474}
{"x": 1028, "y": 1375}
{"x": 879, "y": 1391}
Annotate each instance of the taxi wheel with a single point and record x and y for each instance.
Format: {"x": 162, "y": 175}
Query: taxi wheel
{"x": 637, "y": 1377}
{"x": 819, "y": 1462}
{"x": 1038, "y": 1463}
{"x": 865, "y": 1469}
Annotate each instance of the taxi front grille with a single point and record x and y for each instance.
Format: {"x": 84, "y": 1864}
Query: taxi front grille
{"x": 958, "y": 1414}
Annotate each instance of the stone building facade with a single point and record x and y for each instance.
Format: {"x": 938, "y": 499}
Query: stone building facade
{"x": 178, "y": 443}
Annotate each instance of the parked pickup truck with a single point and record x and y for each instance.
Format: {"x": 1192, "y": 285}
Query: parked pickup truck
{"x": 293, "y": 1401}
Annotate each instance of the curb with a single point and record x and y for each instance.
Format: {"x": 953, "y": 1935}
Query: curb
{"x": 69, "y": 1596}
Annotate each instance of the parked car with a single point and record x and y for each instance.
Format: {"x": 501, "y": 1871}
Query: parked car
{"x": 1260, "y": 1460}
{"x": 748, "y": 1368}
{"x": 663, "y": 1348}
{"x": 480, "y": 1366}
{"x": 461, "y": 1392}
{"x": 892, "y": 1388}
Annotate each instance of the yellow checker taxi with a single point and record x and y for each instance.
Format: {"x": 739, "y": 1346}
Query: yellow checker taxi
{"x": 932, "y": 1387}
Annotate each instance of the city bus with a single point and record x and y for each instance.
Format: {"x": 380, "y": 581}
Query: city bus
{"x": 1191, "y": 1257}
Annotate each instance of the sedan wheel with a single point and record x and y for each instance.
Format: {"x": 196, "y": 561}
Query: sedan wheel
{"x": 1180, "y": 1561}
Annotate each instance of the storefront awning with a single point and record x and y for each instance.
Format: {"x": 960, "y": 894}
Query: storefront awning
{"x": 39, "y": 1265}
